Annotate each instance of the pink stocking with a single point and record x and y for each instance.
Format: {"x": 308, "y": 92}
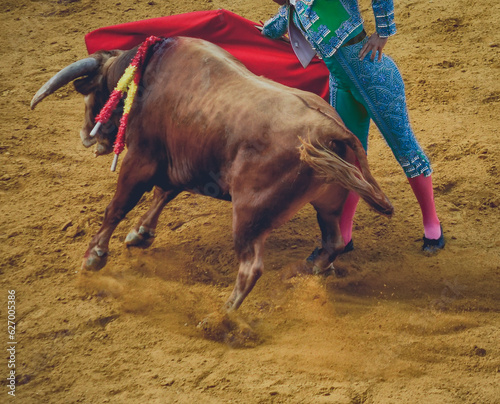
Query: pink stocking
{"x": 347, "y": 217}
{"x": 422, "y": 188}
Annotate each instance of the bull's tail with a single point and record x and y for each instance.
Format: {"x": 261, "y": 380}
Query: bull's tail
{"x": 334, "y": 169}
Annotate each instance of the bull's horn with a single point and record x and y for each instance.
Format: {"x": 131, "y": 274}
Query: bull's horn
{"x": 63, "y": 77}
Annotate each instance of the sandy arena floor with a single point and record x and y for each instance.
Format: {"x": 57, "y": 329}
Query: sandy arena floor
{"x": 399, "y": 327}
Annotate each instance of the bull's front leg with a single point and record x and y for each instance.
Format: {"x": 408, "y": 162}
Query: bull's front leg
{"x": 135, "y": 178}
{"x": 143, "y": 233}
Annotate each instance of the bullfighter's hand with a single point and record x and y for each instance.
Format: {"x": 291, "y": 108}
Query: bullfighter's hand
{"x": 375, "y": 43}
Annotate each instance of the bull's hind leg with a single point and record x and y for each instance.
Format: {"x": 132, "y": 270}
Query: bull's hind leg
{"x": 144, "y": 232}
{"x": 253, "y": 220}
{"x": 251, "y": 267}
{"x": 329, "y": 208}
{"x": 249, "y": 239}
{"x": 135, "y": 178}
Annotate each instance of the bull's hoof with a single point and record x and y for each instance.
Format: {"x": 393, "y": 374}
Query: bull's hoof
{"x": 230, "y": 329}
{"x": 318, "y": 261}
{"x": 142, "y": 238}
{"x": 95, "y": 259}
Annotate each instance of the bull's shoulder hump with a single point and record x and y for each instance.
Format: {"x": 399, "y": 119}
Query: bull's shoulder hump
{"x": 220, "y": 57}
{"x": 205, "y": 46}
{"x": 233, "y": 67}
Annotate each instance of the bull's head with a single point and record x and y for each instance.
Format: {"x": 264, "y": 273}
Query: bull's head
{"x": 90, "y": 78}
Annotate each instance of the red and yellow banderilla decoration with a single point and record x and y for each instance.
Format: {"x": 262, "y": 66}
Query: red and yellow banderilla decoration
{"x": 128, "y": 83}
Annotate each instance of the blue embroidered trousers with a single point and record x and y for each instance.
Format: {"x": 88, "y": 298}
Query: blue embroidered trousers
{"x": 360, "y": 90}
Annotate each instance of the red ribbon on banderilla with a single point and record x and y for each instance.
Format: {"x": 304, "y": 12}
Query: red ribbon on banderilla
{"x": 128, "y": 83}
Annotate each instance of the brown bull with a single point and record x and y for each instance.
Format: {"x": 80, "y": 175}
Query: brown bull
{"x": 202, "y": 119}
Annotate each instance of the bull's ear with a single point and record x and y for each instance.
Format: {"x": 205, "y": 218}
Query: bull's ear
{"x": 87, "y": 85}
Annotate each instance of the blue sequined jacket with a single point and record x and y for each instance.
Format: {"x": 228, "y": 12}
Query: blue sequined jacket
{"x": 305, "y": 16}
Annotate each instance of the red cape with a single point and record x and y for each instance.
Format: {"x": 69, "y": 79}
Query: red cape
{"x": 266, "y": 57}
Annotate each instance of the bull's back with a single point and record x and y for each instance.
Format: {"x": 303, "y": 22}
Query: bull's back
{"x": 204, "y": 86}
{"x": 210, "y": 109}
